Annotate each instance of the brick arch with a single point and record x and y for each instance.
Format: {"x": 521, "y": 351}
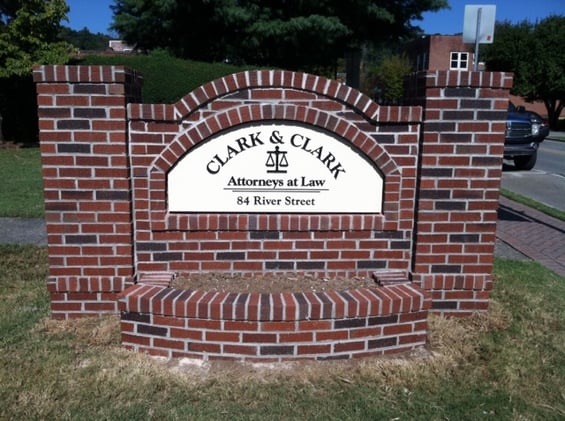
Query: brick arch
{"x": 250, "y": 113}
{"x": 254, "y": 113}
{"x": 276, "y": 79}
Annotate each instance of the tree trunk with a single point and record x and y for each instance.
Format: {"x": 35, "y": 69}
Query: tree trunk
{"x": 353, "y": 68}
{"x": 554, "y": 108}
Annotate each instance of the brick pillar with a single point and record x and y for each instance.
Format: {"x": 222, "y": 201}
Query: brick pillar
{"x": 460, "y": 167}
{"x": 87, "y": 187}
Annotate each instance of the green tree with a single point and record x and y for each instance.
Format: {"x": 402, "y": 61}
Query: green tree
{"x": 535, "y": 53}
{"x": 28, "y": 35}
{"x": 387, "y": 79}
{"x": 189, "y": 29}
{"x": 84, "y": 39}
{"x": 293, "y": 34}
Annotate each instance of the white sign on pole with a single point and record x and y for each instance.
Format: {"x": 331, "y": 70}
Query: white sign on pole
{"x": 478, "y": 23}
{"x": 275, "y": 168}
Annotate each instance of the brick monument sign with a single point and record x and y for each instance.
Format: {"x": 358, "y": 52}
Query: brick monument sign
{"x": 270, "y": 173}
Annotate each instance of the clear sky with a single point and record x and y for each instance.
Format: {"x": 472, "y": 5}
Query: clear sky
{"x": 96, "y": 15}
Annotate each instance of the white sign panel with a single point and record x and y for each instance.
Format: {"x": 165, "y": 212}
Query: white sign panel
{"x": 482, "y": 16}
{"x": 274, "y": 168}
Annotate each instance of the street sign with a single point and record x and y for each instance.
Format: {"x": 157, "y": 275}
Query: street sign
{"x": 478, "y": 23}
{"x": 478, "y": 26}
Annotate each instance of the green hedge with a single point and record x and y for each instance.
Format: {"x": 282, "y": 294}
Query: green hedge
{"x": 166, "y": 79}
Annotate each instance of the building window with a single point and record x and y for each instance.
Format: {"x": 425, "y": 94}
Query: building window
{"x": 459, "y": 61}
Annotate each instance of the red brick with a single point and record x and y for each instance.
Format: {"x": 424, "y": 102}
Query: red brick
{"x": 278, "y": 326}
{"x": 259, "y": 337}
{"x": 410, "y": 317}
{"x": 193, "y": 334}
{"x": 136, "y": 339}
{"x": 205, "y": 347}
{"x": 240, "y": 349}
{"x": 127, "y": 326}
{"x": 332, "y": 335}
{"x": 413, "y": 339}
{"x": 289, "y": 306}
{"x": 222, "y": 336}
{"x": 296, "y": 337}
{"x": 398, "y": 329}
{"x": 205, "y": 324}
{"x": 101, "y": 307}
{"x": 365, "y": 332}
{"x": 314, "y": 349}
{"x": 349, "y": 346}
{"x": 242, "y": 326}
{"x": 169, "y": 344}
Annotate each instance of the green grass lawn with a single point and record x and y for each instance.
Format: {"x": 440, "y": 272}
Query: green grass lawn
{"x": 21, "y": 191}
{"x": 507, "y": 364}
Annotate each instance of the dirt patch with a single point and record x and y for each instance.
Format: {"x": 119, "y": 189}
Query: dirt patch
{"x": 222, "y": 282}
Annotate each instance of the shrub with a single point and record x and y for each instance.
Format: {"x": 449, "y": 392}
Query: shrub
{"x": 166, "y": 79}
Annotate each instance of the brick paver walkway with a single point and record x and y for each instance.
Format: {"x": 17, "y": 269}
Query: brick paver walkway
{"x": 533, "y": 233}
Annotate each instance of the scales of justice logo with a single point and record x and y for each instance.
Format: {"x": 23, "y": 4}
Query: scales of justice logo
{"x": 277, "y": 162}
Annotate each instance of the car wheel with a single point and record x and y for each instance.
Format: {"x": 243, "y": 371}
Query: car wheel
{"x": 526, "y": 162}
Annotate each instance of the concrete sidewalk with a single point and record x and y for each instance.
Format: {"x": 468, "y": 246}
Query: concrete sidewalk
{"x": 522, "y": 233}
{"x": 23, "y": 231}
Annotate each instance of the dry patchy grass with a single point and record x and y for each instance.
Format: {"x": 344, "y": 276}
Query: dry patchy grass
{"x": 503, "y": 364}
{"x": 452, "y": 343}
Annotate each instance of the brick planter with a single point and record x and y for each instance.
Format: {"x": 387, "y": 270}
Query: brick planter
{"x": 262, "y": 327}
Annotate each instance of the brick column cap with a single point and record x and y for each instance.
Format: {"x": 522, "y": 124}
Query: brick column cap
{"x": 84, "y": 74}
{"x": 458, "y": 78}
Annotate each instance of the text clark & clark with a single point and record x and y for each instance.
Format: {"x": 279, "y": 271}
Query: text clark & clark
{"x": 296, "y": 140}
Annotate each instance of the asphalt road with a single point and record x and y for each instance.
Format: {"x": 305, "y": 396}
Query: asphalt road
{"x": 546, "y": 182}
{"x": 552, "y": 157}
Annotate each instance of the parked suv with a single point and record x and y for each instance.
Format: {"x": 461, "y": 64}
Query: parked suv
{"x": 525, "y": 130}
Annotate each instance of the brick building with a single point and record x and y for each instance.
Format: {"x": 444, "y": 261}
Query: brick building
{"x": 441, "y": 52}
{"x": 449, "y": 52}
